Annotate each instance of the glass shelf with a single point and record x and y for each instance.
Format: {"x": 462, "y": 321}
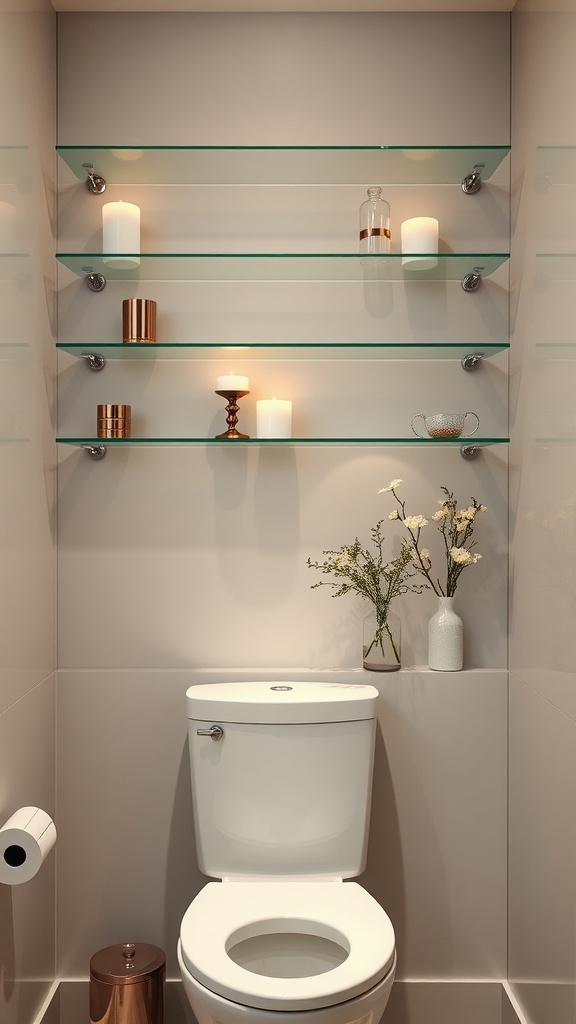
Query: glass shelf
{"x": 188, "y": 442}
{"x": 287, "y": 350}
{"x": 282, "y": 165}
{"x": 280, "y": 266}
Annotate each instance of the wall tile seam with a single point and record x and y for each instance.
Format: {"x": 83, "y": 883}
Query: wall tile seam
{"x": 561, "y": 711}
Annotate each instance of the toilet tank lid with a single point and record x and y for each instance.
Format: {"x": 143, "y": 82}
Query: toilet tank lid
{"x": 286, "y": 702}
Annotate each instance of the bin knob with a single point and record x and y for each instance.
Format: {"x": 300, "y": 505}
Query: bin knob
{"x": 128, "y": 952}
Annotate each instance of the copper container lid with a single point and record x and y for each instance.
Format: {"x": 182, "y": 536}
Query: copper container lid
{"x": 114, "y": 412}
{"x": 127, "y": 964}
{"x": 139, "y": 320}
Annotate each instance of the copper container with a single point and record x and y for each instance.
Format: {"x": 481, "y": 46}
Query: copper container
{"x": 139, "y": 320}
{"x": 114, "y": 420}
{"x": 127, "y": 984}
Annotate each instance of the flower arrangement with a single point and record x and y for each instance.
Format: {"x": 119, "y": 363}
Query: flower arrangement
{"x": 358, "y": 570}
{"x": 456, "y": 526}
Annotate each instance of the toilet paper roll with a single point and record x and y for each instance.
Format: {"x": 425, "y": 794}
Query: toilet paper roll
{"x": 25, "y": 840}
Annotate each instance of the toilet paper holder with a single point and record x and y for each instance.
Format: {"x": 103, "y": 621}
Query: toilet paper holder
{"x": 26, "y": 839}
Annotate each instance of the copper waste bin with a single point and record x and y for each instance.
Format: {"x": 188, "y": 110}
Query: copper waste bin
{"x": 127, "y": 984}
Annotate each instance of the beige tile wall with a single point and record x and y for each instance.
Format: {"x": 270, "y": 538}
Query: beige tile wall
{"x": 543, "y": 644}
{"x": 27, "y": 472}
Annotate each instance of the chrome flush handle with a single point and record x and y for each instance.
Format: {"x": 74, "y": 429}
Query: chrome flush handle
{"x": 215, "y": 732}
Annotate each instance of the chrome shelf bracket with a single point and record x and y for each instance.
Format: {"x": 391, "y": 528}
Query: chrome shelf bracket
{"x": 471, "y": 361}
{"x": 95, "y": 282}
{"x": 472, "y": 183}
{"x": 469, "y": 452}
{"x": 94, "y": 182}
{"x": 471, "y": 282}
{"x": 94, "y": 451}
{"x": 94, "y": 361}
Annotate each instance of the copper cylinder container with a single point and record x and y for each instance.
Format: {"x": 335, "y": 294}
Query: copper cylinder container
{"x": 128, "y": 984}
{"x": 139, "y": 321}
{"x": 114, "y": 420}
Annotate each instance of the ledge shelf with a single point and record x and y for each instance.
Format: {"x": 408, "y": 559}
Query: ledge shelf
{"x": 282, "y": 165}
{"x": 280, "y": 267}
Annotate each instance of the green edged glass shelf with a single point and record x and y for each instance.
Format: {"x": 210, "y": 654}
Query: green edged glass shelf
{"x": 286, "y": 350}
{"x": 285, "y": 442}
{"x": 279, "y": 266}
{"x": 282, "y": 165}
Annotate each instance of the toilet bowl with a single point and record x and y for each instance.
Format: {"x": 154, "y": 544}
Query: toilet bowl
{"x": 281, "y": 946}
{"x": 281, "y": 782}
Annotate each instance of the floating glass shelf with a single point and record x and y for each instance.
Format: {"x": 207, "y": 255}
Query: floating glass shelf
{"x": 188, "y": 442}
{"x": 282, "y": 165}
{"x": 279, "y": 266}
{"x": 286, "y": 350}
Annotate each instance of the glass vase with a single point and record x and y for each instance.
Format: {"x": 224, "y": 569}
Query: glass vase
{"x": 445, "y": 638}
{"x": 381, "y": 641}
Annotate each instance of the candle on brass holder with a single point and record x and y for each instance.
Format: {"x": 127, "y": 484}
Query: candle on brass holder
{"x": 231, "y": 409}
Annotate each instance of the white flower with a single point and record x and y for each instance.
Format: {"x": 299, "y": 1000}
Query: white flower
{"x": 464, "y": 557}
{"x": 440, "y": 514}
{"x": 483, "y": 508}
{"x": 391, "y": 486}
{"x": 394, "y": 515}
{"x": 415, "y": 522}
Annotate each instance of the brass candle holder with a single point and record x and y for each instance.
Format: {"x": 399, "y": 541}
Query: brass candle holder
{"x": 231, "y": 409}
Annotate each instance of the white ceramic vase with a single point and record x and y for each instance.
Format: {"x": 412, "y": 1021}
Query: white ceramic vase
{"x": 445, "y": 638}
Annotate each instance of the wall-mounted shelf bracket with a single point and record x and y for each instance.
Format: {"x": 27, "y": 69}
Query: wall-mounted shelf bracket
{"x": 471, "y": 282}
{"x": 469, "y": 362}
{"x": 95, "y": 282}
{"x": 94, "y": 451}
{"x": 472, "y": 183}
{"x": 469, "y": 452}
{"x": 94, "y": 361}
{"x": 94, "y": 182}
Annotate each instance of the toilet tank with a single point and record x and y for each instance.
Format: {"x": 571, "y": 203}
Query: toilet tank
{"x": 286, "y": 790}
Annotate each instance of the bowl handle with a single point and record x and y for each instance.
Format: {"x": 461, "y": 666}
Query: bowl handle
{"x": 473, "y": 431}
{"x": 419, "y": 415}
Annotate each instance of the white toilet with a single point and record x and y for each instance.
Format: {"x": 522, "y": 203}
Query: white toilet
{"x": 281, "y": 783}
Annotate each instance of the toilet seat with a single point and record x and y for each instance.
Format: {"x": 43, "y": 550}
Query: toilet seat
{"x": 224, "y": 913}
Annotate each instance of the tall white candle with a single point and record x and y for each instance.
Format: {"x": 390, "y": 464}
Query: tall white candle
{"x": 232, "y": 382}
{"x": 273, "y": 418}
{"x": 7, "y": 227}
{"x": 419, "y": 235}
{"x": 121, "y": 234}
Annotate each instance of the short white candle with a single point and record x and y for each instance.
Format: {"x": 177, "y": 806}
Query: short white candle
{"x": 419, "y": 235}
{"x": 232, "y": 382}
{"x": 121, "y": 233}
{"x": 273, "y": 418}
{"x": 7, "y": 227}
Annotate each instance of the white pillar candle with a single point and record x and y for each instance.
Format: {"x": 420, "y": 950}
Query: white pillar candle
{"x": 7, "y": 227}
{"x": 121, "y": 234}
{"x": 419, "y": 235}
{"x": 232, "y": 382}
{"x": 273, "y": 418}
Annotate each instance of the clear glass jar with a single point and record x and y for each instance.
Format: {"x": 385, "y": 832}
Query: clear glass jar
{"x": 381, "y": 641}
{"x": 375, "y": 223}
